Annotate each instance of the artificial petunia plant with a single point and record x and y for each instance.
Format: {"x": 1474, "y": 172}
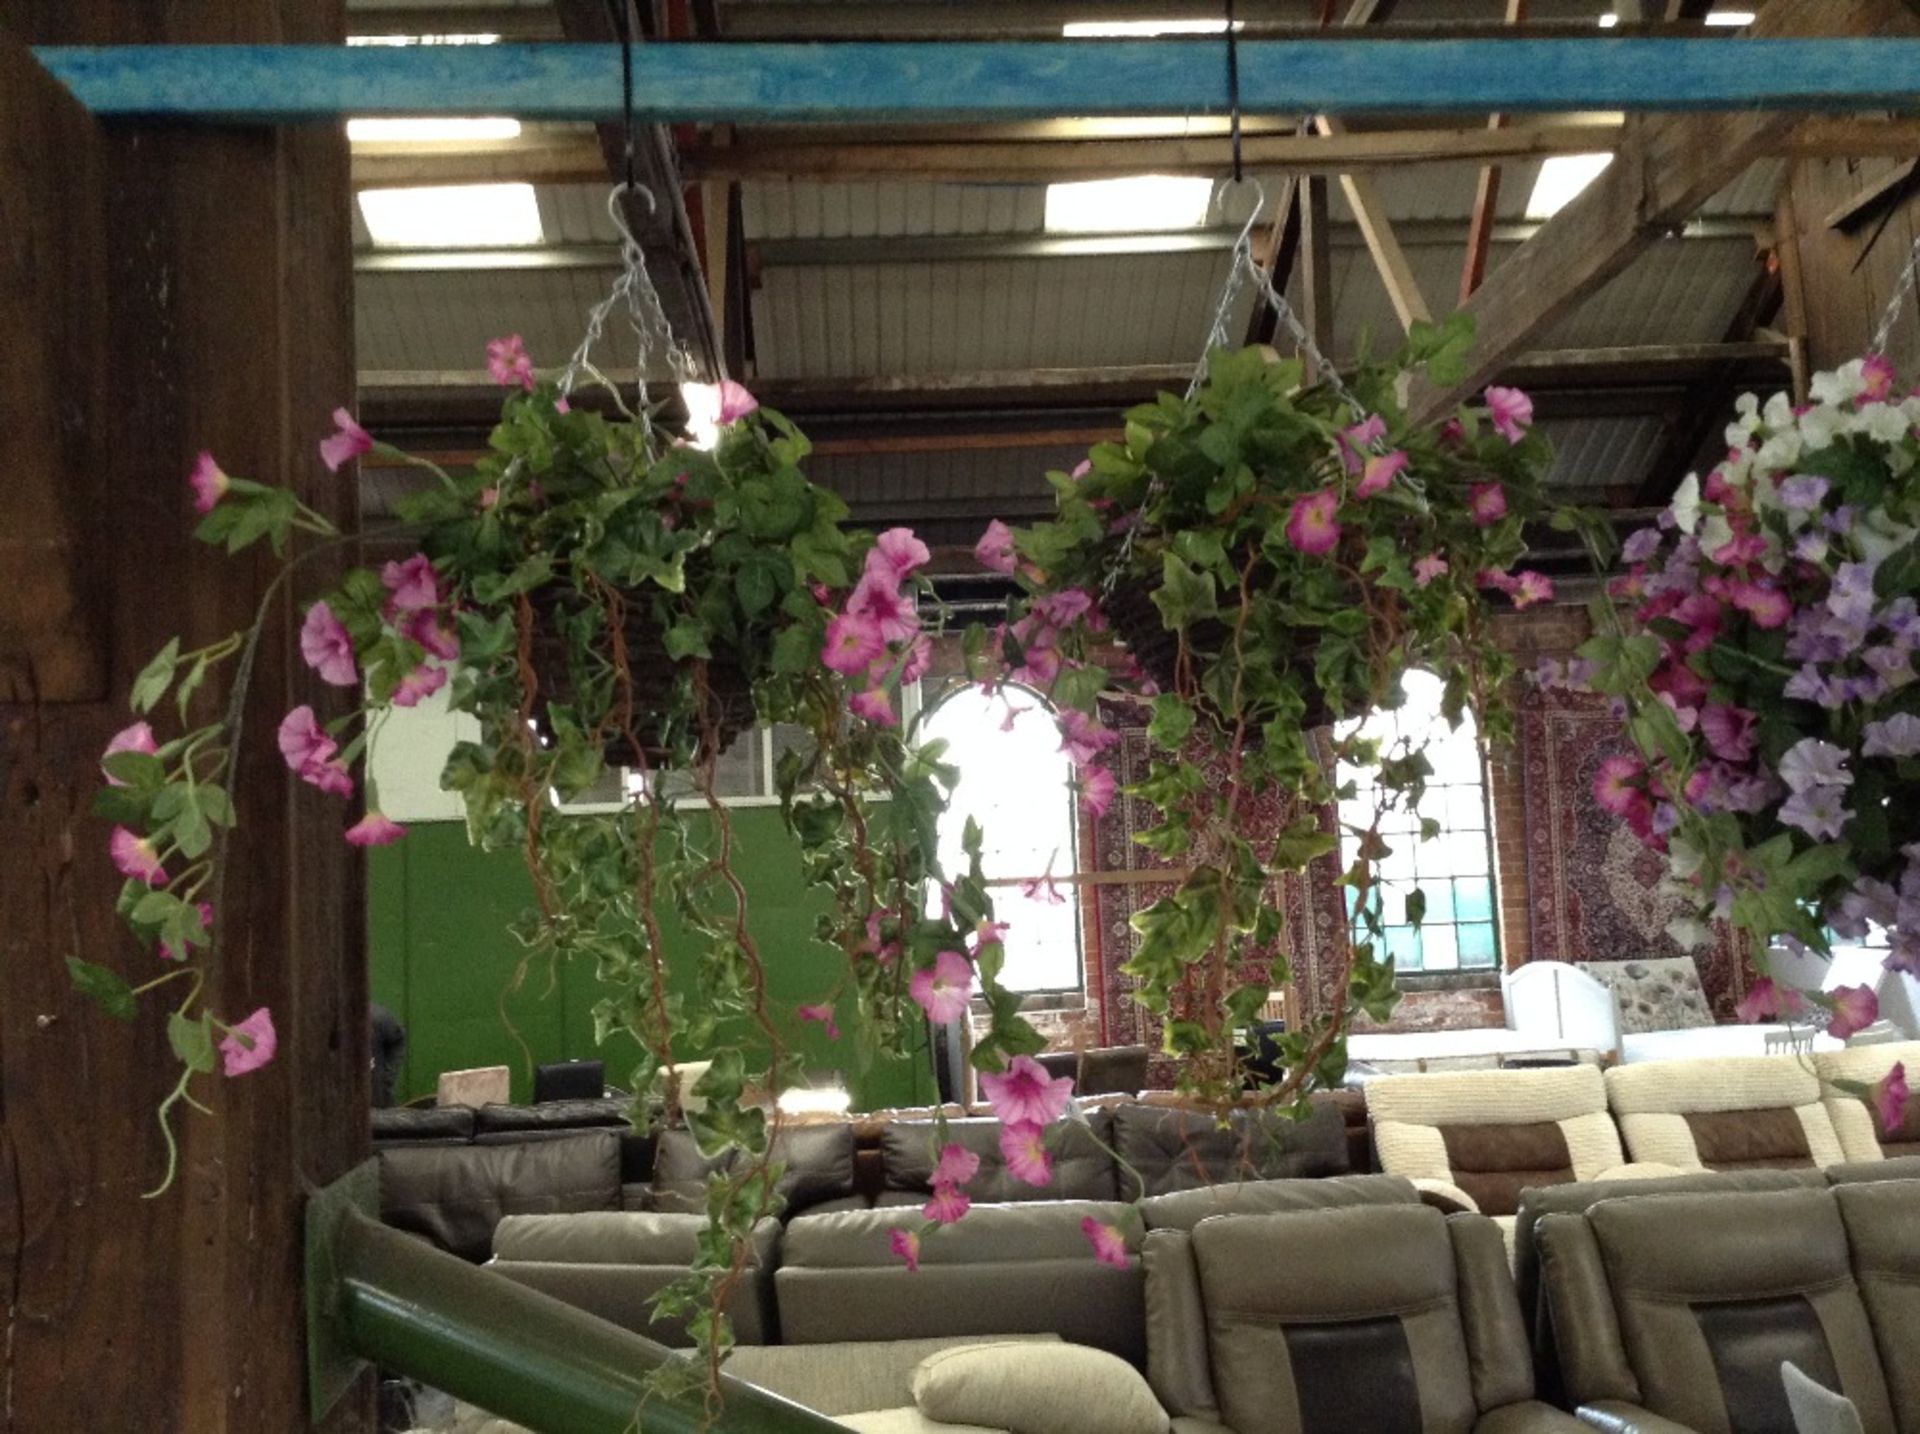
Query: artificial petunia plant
{"x": 1760, "y": 649}
{"x": 1273, "y": 557}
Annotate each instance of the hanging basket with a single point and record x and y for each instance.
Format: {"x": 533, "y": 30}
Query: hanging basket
{"x": 1137, "y": 622}
{"x": 663, "y": 718}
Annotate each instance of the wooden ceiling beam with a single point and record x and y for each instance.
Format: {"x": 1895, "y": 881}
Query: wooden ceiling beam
{"x": 1668, "y": 167}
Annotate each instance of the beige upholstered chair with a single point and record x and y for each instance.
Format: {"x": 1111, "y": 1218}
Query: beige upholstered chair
{"x": 1855, "y": 1122}
{"x": 1733, "y": 1113}
{"x": 1673, "y": 1313}
{"x": 1478, "y": 1138}
{"x": 1378, "y": 1319}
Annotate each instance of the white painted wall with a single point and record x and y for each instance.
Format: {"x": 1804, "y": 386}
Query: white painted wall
{"x": 408, "y": 751}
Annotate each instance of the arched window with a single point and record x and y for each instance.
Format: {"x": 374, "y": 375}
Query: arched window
{"x": 1453, "y": 870}
{"x": 1013, "y": 782}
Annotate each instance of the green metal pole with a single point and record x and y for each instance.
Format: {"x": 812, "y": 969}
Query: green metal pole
{"x": 389, "y": 1297}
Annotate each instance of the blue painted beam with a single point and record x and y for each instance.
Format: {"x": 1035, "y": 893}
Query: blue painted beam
{"x": 766, "y": 83}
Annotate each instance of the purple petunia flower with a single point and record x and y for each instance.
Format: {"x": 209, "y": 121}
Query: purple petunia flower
{"x": 1895, "y": 736}
{"x": 1803, "y": 491}
{"x": 1817, "y": 811}
{"x": 1641, "y": 546}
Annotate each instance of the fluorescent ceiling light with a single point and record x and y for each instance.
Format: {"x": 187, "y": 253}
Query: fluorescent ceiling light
{"x": 390, "y": 131}
{"x": 1121, "y": 206}
{"x": 1143, "y": 29}
{"x": 469, "y": 39}
{"x": 1561, "y": 178}
{"x": 1732, "y": 19}
{"x": 453, "y": 216}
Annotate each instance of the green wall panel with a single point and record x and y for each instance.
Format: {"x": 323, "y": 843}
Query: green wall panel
{"x": 443, "y": 962}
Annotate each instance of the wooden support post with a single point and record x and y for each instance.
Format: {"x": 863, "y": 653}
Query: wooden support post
{"x": 1316, "y": 264}
{"x": 163, "y": 291}
{"x": 1666, "y": 169}
{"x": 1486, "y": 199}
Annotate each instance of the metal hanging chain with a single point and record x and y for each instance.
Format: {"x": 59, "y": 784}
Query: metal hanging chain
{"x": 1898, "y": 303}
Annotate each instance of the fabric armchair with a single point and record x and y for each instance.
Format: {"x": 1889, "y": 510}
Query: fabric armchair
{"x": 1391, "y": 1319}
{"x": 1856, "y": 1123}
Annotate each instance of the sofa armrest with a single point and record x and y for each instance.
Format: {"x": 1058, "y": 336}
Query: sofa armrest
{"x": 1617, "y": 1416}
{"x": 1529, "y": 1416}
{"x": 1188, "y": 1424}
{"x": 1447, "y": 1198}
{"x": 1643, "y": 1170}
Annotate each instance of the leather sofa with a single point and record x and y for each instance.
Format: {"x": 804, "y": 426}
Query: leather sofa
{"x": 1674, "y": 1312}
{"x": 1389, "y": 1318}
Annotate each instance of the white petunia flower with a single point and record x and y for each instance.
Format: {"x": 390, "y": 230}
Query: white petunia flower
{"x": 1842, "y": 385}
{"x": 1686, "y": 504}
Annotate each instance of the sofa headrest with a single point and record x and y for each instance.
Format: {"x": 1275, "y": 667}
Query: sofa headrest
{"x": 1184, "y": 1209}
{"x": 1082, "y": 1169}
{"x": 1725, "y": 1245}
{"x": 1495, "y": 1097}
{"x": 1705, "y": 1086}
{"x": 553, "y": 1115}
{"x": 456, "y": 1194}
{"x": 818, "y": 1161}
{"x": 990, "y": 1234}
{"x": 1179, "y": 1149}
{"x": 617, "y": 1237}
{"x": 1357, "y": 1263}
{"x": 433, "y": 1122}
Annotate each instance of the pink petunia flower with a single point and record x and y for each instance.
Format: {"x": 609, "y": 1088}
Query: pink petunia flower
{"x": 898, "y": 553}
{"x": 249, "y": 1044}
{"x": 1890, "y": 1098}
{"x": 423, "y": 681}
{"x": 987, "y": 933}
{"x": 1109, "y": 1245}
{"x": 1098, "y": 788}
{"x": 875, "y": 705}
{"x": 1081, "y": 469}
{"x": 878, "y": 600}
{"x": 1854, "y": 1009}
{"x": 947, "y": 1205}
{"x": 1729, "y": 731}
{"x": 1876, "y": 378}
{"x": 375, "y": 829}
{"x": 508, "y": 363}
{"x": 328, "y": 647}
{"x": 1042, "y": 888}
{"x": 853, "y": 644}
{"x": 942, "y": 989}
{"x": 1768, "y": 1000}
{"x": 823, "y": 1015}
{"x": 1380, "y": 471}
{"x": 1616, "y": 784}
{"x": 956, "y": 1165}
{"x": 332, "y": 777}
{"x": 1024, "y": 1092}
{"x": 906, "y": 1245}
{"x": 303, "y": 741}
{"x": 1426, "y": 569}
{"x": 995, "y": 551}
{"x": 137, "y": 738}
{"x": 1023, "y": 1146}
{"x": 919, "y": 659}
{"x": 735, "y": 402}
{"x": 1354, "y": 443}
{"x": 1311, "y": 527}
{"x": 1511, "y": 412}
{"x": 1082, "y": 737}
{"x": 348, "y": 441}
{"x": 208, "y": 482}
{"x": 134, "y": 857}
{"x": 1486, "y": 503}
{"x": 1529, "y": 588}
{"x": 1763, "y": 602}
{"x": 424, "y": 628}
{"x": 413, "y": 584}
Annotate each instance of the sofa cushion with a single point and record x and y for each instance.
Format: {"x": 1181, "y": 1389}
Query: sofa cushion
{"x": 419, "y": 1124}
{"x": 619, "y": 1237}
{"x": 1082, "y": 1169}
{"x": 1730, "y": 1113}
{"x": 1178, "y": 1149}
{"x": 818, "y": 1160}
{"x": 838, "y": 1380}
{"x": 1037, "y": 1389}
{"x": 553, "y": 1115}
{"x": 456, "y": 1194}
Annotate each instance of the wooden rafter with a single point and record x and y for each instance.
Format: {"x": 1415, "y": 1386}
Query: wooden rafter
{"x": 1486, "y": 199}
{"x": 1668, "y": 167}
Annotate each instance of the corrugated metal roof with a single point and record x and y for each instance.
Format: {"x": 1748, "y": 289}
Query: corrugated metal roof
{"x": 1595, "y": 453}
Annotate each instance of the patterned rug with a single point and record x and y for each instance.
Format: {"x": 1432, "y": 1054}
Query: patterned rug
{"x": 1590, "y": 883}
{"x": 1314, "y": 939}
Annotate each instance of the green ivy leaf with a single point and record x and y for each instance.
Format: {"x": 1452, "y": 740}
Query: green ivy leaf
{"x": 687, "y": 638}
{"x": 192, "y": 1040}
{"x": 1172, "y": 722}
{"x": 106, "y": 989}
{"x": 1184, "y": 596}
{"x": 157, "y": 676}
